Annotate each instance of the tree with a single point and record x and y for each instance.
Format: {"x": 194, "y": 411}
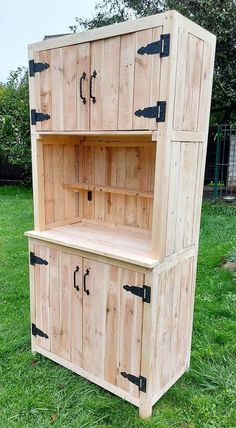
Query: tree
{"x": 14, "y": 121}
{"x": 217, "y": 16}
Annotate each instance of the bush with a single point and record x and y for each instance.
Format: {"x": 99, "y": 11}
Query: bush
{"x": 14, "y": 121}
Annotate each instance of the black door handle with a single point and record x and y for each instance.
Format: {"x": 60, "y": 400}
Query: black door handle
{"x": 91, "y": 83}
{"x": 85, "y": 289}
{"x": 81, "y": 87}
{"x": 76, "y": 270}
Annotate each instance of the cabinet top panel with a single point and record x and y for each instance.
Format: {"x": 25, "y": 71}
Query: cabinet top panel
{"x": 118, "y": 29}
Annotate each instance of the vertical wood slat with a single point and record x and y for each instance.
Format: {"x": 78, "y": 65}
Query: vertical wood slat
{"x": 44, "y": 298}
{"x": 69, "y": 55}
{"x": 66, "y": 282}
{"x": 142, "y": 79}
{"x": 94, "y": 317}
{"x": 58, "y": 179}
{"x": 76, "y": 311}
{"x": 57, "y": 89}
{"x": 69, "y": 177}
{"x": 83, "y": 66}
{"x": 126, "y": 81}
{"x": 48, "y": 184}
{"x": 132, "y": 163}
{"x": 97, "y": 64}
{"x": 45, "y": 92}
{"x": 55, "y": 296}
{"x": 111, "y": 199}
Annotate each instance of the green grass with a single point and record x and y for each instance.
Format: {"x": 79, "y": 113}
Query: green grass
{"x": 35, "y": 392}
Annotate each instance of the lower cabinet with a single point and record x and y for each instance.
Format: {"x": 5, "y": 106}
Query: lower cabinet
{"x": 82, "y": 314}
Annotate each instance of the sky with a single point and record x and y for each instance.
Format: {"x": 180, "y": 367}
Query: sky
{"x": 28, "y": 21}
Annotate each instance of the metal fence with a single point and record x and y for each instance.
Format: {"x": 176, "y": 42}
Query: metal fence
{"x": 220, "y": 173}
{"x": 9, "y": 172}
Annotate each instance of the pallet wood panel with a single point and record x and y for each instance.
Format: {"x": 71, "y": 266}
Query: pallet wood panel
{"x": 117, "y": 200}
{"x": 130, "y": 168}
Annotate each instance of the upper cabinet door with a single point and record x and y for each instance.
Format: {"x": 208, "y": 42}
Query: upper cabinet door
{"x": 102, "y": 85}
{"x": 62, "y": 90}
{"x": 124, "y": 81}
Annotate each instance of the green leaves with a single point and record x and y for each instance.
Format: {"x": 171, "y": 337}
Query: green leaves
{"x": 14, "y": 121}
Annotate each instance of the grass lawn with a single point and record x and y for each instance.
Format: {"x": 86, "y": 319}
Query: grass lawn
{"x": 35, "y": 392}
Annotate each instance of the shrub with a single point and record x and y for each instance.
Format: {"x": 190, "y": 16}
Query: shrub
{"x": 14, "y": 121}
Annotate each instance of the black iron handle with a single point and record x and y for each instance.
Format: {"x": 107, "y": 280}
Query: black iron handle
{"x": 81, "y": 87}
{"x": 85, "y": 288}
{"x": 91, "y": 84}
{"x": 75, "y": 272}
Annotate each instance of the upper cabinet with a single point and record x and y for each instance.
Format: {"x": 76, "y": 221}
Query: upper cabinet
{"x": 106, "y": 84}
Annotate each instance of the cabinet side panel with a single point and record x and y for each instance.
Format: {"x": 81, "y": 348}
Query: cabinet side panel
{"x": 184, "y": 195}
{"x": 172, "y": 325}
{"x": 194, "y": 73}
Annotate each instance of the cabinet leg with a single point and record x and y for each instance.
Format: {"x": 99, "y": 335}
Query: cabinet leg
{"x": 145, "y": 410}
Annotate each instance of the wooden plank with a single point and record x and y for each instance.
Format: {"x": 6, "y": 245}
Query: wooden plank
{"x": 165, "y": 369}
{"x": 189, "y": 215}
{"x": 173, "y": 194}
{"x": 180, "y": 79}
{"x": 175, "y": 319}
{"x": 57, "y": 90}
{"x": 76, "y": 311}
{"x": 69, "y": 58}
{"x": 94, "y": 317}
{"x": 44, "y": 299}
{"x": 38, "y": 183}
{"x": 192, "y": 83}
{"x": 83, "y": 66}
{"x": 88, "y": 171}
{"x": 112, "y": 325}
{"x": 110, "y": 83}
{"x": 33, "y": 288}
{"x": 120, "y": 183}
{"x": 203, "y": 115}
{"x": 155, "y": 77}
{"x": 54, "y": 260}
{"x": 58, "y": 180}
{"x": 66, "y": 282}
{"x": 104, "y": 189}
{"x": 45, "y": 91}
{"x": 111, "y": 198}
{"x": 48, "y": 184}
{"x": 132, "y": 163}
{"x": 130, "y": 332}
{"x": 126, "y": 83}
{"x": 97, "y": 64}
{"x": 142, "y": 79}
{"x": 100, "y": 178}
{"x": 69, "y": 176}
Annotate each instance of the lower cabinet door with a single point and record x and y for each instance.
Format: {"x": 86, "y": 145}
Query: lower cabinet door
{"x": 87, "y": 315}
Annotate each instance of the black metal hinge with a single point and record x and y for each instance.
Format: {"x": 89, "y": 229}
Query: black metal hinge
{"x": 37, "y": 67}
{"x": 161, "y": 47}
{"x": 37, "y": 260}
{"x": 144, "y": 292}
{"x": 140, "y": 381}
{"x": 158, "y": 112}
{"x": 38, "y": 117}
{"x": 37, "y": 332}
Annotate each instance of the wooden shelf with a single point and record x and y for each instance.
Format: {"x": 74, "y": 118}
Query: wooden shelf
{"x": 125, "y": 245}
{"x": 77, "y": 187}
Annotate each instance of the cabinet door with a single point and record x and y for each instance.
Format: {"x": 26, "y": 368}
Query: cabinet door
{"x": 59, "y": 89}
{"x": 112, "y": 324}
{"x": 58, "y": 304}
{"x": 125, "y": 81}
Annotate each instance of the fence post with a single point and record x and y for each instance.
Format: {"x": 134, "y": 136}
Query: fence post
{"x": 216, "y": 175}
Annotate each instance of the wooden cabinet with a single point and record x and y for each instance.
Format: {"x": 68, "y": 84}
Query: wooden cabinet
{"x": 99, "y": 85}
{"x": 119, "y": 123}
